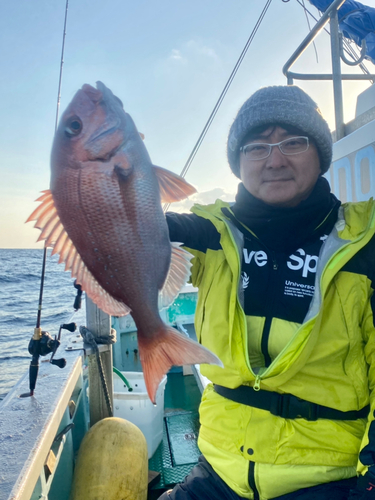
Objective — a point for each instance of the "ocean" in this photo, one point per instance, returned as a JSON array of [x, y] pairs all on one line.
[[20, 273]]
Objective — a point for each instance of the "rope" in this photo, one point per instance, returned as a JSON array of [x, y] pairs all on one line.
[[222, 95], [90, 339]]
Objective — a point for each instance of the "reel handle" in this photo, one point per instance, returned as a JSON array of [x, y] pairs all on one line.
[[61, 363], [71, 327]]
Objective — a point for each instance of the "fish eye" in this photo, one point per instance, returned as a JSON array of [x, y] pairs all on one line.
[[73, 127]]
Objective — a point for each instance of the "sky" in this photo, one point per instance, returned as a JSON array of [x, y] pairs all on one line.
[[168, 61]]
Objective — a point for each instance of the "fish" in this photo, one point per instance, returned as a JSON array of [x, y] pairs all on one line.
[[103, 215]]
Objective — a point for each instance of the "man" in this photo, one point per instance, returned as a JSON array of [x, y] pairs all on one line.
[[286, 277]]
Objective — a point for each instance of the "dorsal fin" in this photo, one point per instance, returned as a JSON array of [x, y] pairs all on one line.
[[178, 274], [49, 226], [46, 194], [70, 257], [55, 236], [64, 252], [60, 242], [54, 232], [75, 264], [172, 186]]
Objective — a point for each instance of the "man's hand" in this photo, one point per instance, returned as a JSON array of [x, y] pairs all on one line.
[[365, 489]]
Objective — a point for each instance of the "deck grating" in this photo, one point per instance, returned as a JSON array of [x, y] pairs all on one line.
[[178, 452], [175, 457]]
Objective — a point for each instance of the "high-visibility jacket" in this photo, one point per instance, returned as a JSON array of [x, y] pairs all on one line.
[[329, 360]]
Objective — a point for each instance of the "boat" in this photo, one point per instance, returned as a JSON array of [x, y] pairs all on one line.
[[40, 436]]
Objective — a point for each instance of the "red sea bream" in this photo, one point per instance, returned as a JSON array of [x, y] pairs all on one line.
[[103, 216]]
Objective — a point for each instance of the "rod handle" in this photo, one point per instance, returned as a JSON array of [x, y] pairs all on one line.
[[33, 374]]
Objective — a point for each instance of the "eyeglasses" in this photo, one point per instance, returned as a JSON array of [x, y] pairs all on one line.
[[291, 146]]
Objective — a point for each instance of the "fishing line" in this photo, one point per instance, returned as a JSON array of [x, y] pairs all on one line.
[[41, 292], [222, 95], [56, 122], [61, 65]]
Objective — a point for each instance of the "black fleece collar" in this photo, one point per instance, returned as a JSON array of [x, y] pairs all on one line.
[[286, 228]]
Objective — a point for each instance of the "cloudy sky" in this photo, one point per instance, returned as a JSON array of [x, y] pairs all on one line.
[[168, 61]]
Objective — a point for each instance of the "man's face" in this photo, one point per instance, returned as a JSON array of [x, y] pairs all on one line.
[[280, 180]]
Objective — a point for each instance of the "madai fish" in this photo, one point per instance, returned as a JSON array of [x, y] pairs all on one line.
[[103, 216]]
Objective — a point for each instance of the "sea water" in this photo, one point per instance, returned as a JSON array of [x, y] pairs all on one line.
[[20, 276]]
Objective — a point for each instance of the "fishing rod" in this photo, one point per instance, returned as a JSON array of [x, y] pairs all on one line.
[[41, 343]]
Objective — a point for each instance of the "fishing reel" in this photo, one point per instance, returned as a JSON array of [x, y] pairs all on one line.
[[41, 344]]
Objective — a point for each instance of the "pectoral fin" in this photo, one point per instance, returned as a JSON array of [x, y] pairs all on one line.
[[172, 186]]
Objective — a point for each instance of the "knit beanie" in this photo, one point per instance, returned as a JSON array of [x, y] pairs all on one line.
[[280, 105]]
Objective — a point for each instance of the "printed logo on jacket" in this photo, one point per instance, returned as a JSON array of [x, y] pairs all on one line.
[[283, 283]]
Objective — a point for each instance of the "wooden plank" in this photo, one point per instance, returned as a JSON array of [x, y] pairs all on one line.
[[99, 324]]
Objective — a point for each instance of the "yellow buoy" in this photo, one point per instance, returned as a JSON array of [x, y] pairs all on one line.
[[112, 463]]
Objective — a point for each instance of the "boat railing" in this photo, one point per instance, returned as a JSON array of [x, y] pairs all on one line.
[[331, 16]]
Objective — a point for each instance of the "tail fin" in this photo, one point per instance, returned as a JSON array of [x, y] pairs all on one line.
[[165, 349]]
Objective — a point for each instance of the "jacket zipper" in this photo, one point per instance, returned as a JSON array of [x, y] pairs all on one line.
[[252, 480], [268, 321], [264, 341]]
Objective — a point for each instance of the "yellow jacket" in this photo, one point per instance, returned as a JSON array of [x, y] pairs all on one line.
[[330, 360]]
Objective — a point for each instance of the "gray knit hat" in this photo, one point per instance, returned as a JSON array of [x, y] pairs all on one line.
[[283, 105]]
